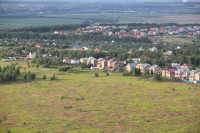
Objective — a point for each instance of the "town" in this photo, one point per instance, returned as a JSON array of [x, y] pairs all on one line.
[[184, 72], [189, 31]]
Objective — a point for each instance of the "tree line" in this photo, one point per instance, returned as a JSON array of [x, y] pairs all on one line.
[[72, 37], [9, 73]]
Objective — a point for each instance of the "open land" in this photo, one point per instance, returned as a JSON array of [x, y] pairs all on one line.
[[59, 19], [80, 102]]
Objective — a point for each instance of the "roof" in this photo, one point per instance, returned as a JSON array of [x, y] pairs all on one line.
[[175, 64], [183, 70], [187, 64], [171, 70], [75, 58], [145, 65], [153, 67], [144, 57], [114, 62], [110, 60], [197, 73], [100, 59], [132, 64], [170, 52], [84, 59]]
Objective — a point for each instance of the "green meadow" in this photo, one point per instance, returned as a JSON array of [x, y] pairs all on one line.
[[59, 19], [80, 102]]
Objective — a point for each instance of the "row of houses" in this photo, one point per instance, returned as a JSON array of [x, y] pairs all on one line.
[[153, 31], [100, 28], [100, 63], [179, 72]]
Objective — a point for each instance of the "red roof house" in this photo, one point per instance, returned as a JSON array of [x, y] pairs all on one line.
[[38, 45], [61, 32], [97, 49], [169, 73]]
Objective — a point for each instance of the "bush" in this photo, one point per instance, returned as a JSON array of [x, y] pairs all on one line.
[[46, 65], [64, 69], [62, 97], [68, 107], [53, 77], [80, 98], [83, 66], [44, 77], [126, 73], [157, 77], [107, 74], [96, 75]]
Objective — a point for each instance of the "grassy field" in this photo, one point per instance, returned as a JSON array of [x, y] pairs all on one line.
[[58, 19], [79, 102], [176, 39]]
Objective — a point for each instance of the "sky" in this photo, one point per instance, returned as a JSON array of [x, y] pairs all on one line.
[[104, 1], [112, 0]]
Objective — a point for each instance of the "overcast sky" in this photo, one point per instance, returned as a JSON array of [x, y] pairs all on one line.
[[111, 0], [105, 1]]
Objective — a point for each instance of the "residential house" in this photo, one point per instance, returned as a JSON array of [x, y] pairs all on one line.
[[81, 49], [103, 63], [108, 58], [83, 60], [130, 51], [97, 49], [109, 63], [197, 77], [168, 53], [38, 45], [89, 60], [85, 48], [61, 32], [75, 61], [114, 65], [67, 60], [192, 76], [176, 65], [130, 66], [155, 69], [154, 49], [143, 57], [31, 55], [143, 67], [56, 32], [135, 60], [169, 73], [186, 66], [99, 65], [94, 62], [141, 49], [182, 74]]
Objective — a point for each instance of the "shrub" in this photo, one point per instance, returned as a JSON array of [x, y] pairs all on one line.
[[126, 73], [107, 74], [53, 77], [64, 69], [44, 77], [67, 107], [96, 75], [157, 77], [62, 97], [80, 98]]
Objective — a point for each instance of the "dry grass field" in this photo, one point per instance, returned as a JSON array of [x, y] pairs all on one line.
[[176, 39], [79, 102]]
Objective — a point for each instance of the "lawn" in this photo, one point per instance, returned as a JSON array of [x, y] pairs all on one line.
[[80, 102]]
